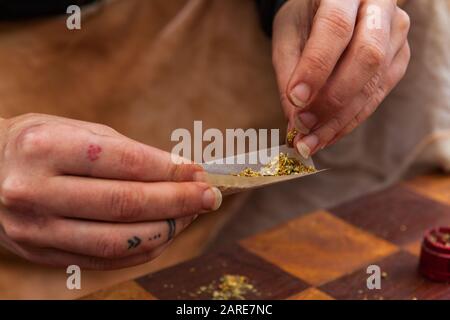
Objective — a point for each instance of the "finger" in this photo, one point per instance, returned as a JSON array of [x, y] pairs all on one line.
[[359, 70], [120, 201], [98, 239], [398, 59], [331, 33], [99, 129], [352, 74], [394, 74], [364, 58], [300, 127], [305, 121], [60, 258], [84, 153], [399, 34]]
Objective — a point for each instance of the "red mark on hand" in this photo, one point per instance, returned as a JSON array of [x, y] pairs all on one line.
[[93, 152]]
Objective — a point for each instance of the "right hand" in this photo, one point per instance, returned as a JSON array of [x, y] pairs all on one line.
[[334, 66], [73, 192]]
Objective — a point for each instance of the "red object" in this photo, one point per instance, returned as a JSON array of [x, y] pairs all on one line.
[[435, 256]]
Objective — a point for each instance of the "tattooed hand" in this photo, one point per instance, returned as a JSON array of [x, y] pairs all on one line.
[[335, 62], [73, 192]]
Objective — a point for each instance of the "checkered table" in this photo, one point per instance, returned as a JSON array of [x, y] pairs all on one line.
[[322, 255]]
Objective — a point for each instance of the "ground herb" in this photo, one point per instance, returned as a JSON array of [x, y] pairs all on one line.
[[230, 287], [281, 165]]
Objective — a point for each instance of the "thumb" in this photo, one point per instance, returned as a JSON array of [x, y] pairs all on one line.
[[289, 36]]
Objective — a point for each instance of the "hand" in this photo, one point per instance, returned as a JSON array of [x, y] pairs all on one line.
[[334, 67], [73, 192]]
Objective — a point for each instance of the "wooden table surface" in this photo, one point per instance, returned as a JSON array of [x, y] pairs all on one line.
[[321, 255]]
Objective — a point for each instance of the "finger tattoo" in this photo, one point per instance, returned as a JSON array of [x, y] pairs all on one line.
[[154, 237], [93, 152], [172, 228], [134, 242]]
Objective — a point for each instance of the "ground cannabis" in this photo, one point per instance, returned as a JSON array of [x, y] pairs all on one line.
[[230, 287], [290, 137], [281, 165]]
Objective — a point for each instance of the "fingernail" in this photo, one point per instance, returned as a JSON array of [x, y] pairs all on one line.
[[212, 199], [305, 121], [306, 145], [300, 95], [200, 176]]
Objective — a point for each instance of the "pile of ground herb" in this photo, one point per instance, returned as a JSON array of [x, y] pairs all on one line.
[[230, 287], [281, 165], [290, 137]]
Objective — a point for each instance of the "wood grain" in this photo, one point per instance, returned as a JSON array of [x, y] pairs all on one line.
[[311, 294], [435, 186], [323, 255], [402, 282], [396, 214], [128, 290], [318, 247]]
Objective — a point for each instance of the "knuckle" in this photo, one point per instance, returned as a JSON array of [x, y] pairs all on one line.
[[371, 56], [338, 23], [372, 87], [126, 204], [318, 61], [34, 140], [107, 129], [334, 101], [14, 192], [108, 247], [132, 160], [408, 53], [404, 20]]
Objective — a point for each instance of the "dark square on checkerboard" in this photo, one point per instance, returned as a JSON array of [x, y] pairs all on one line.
[[401, 281], [396, 214]]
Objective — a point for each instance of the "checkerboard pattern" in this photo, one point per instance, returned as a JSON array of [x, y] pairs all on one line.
[[322, 255]]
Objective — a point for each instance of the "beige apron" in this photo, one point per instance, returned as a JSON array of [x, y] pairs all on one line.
[[148, 67]]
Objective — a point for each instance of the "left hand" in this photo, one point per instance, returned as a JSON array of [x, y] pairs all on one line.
[[334, 66]]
